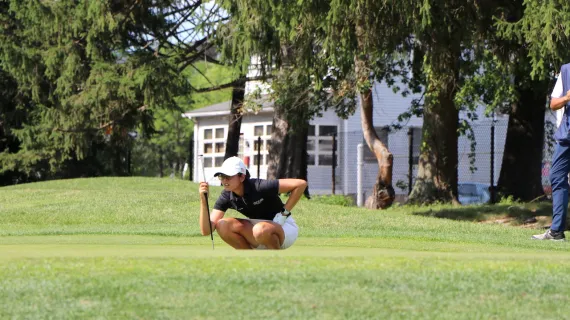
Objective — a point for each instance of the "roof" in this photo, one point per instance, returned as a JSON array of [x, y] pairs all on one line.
[[223, 108]]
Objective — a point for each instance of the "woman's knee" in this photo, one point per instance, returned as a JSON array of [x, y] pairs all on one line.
[[227, 225], [259, 230], [262, 231]]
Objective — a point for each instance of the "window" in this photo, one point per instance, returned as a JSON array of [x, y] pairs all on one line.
[[258, 146], [207, 162], [327, 130], [320, 145], [214, 147], [382, 133], [220, 133], [262, 131], [241, 144], [416, 144], [258, 131], [208, 148]]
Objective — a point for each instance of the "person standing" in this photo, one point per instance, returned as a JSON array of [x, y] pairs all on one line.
[[560, 165]]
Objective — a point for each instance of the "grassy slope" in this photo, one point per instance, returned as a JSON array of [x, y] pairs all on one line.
[[130, 248]]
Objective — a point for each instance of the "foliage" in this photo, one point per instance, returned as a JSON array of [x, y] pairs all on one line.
[[542, 27], [309, 40], [171, 141], [95, 72]]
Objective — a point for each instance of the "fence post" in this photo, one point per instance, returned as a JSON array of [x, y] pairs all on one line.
[[333, 162], [410, 158], [258, 157], [191, 159], [359, 163], [492, 184]]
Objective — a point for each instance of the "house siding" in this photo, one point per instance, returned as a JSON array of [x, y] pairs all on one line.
[[387, 107]]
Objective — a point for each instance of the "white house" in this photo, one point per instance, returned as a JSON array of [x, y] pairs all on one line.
[[211, 126]]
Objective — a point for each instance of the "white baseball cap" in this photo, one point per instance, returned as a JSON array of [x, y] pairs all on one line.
[[231, 167]]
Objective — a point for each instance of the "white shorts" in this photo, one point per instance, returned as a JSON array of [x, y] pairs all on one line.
[[291, 232]]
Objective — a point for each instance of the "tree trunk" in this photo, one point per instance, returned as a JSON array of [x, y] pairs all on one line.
[[383, 194], [520, 175], [437, 172], [276, 155], [287, 156], [234, 126]]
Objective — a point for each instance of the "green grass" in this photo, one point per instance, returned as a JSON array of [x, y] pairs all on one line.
[[130, 248]]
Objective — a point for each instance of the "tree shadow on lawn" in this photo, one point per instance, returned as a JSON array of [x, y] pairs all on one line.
[[530, 215]]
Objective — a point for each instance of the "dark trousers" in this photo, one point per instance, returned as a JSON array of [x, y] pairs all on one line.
[[559, 180]]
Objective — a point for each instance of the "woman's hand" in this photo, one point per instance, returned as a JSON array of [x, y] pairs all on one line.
[[204, 188]]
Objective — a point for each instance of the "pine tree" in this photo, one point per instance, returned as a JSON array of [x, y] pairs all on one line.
[[95, 71], [537, 34]]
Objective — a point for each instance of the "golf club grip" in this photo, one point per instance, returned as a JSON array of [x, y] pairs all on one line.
[[208, 210]]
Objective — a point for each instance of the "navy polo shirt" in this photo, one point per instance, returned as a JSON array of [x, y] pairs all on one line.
[[260, 199]]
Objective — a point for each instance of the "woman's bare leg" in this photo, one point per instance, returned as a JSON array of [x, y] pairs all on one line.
[[269, 234], [237, 233]]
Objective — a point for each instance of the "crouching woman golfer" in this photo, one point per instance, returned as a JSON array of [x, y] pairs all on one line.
[[269, 224]]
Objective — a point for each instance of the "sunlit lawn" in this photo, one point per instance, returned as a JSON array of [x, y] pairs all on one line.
[[129, 248]]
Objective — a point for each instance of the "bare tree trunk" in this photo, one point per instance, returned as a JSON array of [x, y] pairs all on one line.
[[234, 126], [383, 194], [437, 172], [520, 175]]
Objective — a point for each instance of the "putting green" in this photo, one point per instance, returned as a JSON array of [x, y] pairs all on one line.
[[117, 246]]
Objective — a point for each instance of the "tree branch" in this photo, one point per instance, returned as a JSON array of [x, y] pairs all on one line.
[[230, 84]]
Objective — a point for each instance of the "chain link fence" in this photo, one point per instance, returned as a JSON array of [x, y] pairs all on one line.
[[480, 156]]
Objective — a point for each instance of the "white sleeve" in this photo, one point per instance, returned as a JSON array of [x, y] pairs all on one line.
[[557, 92], [559, 113]]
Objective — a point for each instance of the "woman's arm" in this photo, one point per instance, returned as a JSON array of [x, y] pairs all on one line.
[[296, 187], [215, 215]]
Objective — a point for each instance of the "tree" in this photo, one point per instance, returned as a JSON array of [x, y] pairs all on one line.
[[331, 42], [97, 70], [536, 32], [11, 117], [90, 74], [443, 31], [521, 169], [234, 125], [171, 141], [288, 156]]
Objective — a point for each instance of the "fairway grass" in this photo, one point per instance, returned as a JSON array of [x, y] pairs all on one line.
[[129, 248]]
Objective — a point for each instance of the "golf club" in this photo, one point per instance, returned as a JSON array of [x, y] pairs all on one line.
[[201, 157]]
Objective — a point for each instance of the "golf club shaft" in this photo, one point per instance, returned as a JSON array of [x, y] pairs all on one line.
[[209, 221], [207, 206]]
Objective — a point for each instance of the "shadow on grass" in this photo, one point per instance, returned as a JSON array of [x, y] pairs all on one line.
[[536, 214]]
